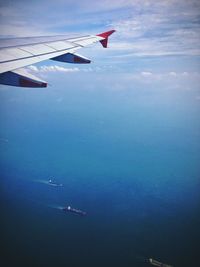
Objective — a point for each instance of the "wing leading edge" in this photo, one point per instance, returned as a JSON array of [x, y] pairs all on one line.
[[13, 57]]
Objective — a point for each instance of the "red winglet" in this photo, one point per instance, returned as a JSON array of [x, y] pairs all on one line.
[[105, 35]]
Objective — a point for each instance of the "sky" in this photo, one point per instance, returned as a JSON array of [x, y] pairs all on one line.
[[156, 42]]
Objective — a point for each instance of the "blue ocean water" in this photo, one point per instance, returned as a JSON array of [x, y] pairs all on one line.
[[129, 158]]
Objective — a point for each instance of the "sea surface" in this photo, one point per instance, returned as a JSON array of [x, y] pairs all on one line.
[[129, 158]]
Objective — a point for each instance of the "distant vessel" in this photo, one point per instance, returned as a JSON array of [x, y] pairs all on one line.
[[54, 183], [76, 211], [158, 263]]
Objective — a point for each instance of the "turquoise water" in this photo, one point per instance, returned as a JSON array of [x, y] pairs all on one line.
[[129, 158]]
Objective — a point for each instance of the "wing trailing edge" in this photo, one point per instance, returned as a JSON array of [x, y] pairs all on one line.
[[72, 58], [21, 78]]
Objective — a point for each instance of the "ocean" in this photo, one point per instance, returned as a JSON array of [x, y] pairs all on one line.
[[129, 158]]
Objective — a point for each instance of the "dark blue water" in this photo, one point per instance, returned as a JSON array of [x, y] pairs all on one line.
[[129, 158]]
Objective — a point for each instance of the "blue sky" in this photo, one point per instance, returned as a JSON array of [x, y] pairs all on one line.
[[157, 43]]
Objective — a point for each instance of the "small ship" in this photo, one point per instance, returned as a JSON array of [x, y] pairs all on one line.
[[51, 182], [73, 210], [158, 263]]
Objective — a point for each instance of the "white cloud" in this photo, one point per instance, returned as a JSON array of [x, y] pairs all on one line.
[[172, 73], [52, 68], [165, 77], [160, 28], [33, 68], [146, 73]]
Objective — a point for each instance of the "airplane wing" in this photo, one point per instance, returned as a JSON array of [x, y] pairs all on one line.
[[17, 53]]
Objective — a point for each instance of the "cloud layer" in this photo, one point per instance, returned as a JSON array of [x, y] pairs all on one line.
[[51, 68]]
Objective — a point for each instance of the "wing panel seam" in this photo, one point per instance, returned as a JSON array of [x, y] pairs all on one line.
[[44, 42], [35, 56]]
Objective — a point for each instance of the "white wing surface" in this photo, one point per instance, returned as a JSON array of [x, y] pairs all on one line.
[[17, 53]]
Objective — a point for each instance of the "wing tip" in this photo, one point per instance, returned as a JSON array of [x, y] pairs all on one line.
[[105, 35]]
